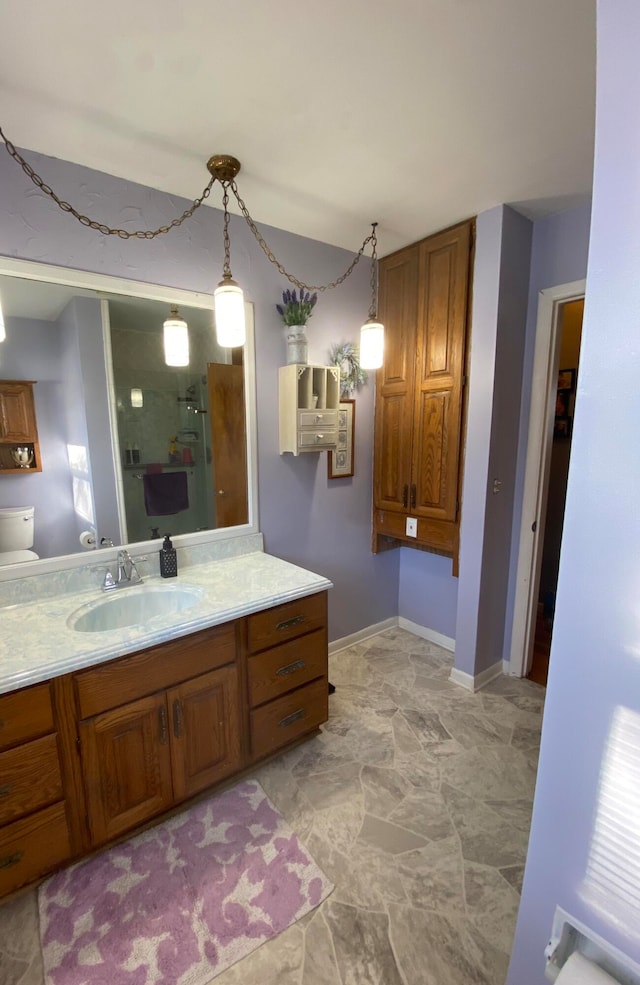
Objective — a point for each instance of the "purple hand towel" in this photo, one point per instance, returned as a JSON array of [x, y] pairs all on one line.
[[165, 493]]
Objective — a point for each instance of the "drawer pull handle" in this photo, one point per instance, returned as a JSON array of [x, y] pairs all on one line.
[[285, 671], [9, 860], [6, 789], [177, 719], [164, 734], [288, 623], [405, 495], [294, 717], [413, 496]]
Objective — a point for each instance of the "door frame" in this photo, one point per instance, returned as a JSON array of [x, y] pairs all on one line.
[[536, 482]]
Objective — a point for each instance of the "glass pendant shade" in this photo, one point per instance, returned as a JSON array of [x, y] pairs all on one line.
[[137, 399], [176, 340], [228, 305], [371, 344]]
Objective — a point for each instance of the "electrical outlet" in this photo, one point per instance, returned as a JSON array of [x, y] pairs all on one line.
[[412, 527]]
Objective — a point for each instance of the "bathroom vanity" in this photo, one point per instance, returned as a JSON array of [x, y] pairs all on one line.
[[102, 732]]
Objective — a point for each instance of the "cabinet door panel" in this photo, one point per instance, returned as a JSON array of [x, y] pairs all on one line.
[[29, 778], [33, 846], [25, 714], [395, 380], [444, 262], [127, 766], [205, 731], [17, 416]]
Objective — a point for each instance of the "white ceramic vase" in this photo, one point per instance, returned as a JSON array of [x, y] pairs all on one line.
[[296, 337]]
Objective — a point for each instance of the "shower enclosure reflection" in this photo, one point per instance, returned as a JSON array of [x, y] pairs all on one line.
[[131, 448]]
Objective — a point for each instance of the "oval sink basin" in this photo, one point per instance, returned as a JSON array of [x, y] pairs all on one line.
[[133, 607]]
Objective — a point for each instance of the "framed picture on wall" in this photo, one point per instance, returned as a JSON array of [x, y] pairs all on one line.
[[340, 461], [567, 379], [562, 427]]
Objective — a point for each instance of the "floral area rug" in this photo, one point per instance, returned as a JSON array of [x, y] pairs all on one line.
[[180, 903]]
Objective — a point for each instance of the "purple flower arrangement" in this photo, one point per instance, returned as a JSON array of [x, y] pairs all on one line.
[[296, 310]]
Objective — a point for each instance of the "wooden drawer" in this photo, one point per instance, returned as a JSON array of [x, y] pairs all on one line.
[[29, 778], [287, 718], [318, 419], [286, 667], [285, 622], [32, 847], [325, 438], [132, 677], [25, 714]]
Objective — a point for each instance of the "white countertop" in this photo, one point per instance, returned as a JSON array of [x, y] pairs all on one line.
[[36, 642]]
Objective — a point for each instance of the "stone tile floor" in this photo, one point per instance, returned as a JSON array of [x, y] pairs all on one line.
[[416, 802]]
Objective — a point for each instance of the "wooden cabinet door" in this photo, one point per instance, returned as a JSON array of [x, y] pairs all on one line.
[[443, 280], [395, 380], [127, 766], [205, 731], [17, 414]]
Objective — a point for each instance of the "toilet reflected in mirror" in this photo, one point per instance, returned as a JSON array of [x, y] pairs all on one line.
[[16, 534]]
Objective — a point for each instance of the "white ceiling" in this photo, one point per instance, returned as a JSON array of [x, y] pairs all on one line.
[[414, 113]]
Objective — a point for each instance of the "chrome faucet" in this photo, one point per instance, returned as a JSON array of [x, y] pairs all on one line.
[[128, 574]]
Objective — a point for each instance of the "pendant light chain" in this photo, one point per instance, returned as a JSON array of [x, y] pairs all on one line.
[[226, 269], [92, 223], [152, 233], [373, 307], [273, 259]]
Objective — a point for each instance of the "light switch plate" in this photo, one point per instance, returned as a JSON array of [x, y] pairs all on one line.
[[412, 527]]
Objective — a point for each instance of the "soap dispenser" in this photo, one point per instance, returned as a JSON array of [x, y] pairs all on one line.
[[168, 558]]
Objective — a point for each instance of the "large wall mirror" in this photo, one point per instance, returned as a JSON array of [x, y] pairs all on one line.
[[131, 448]]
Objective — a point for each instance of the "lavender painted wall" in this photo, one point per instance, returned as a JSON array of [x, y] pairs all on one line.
[[503, 453], [322, 524], [559, 253], [486, 285], [584, 850], [33, 350], [428, 595]]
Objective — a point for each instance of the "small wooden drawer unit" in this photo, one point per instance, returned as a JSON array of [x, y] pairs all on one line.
[[287, 672], [34, 836]]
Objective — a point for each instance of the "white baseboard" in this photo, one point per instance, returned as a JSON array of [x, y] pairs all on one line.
[[446, 642], [471, 683], [363, 634]]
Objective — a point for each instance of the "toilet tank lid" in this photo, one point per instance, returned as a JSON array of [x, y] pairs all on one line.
[[17, 510]]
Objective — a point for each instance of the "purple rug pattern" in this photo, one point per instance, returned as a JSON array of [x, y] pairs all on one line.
[[180, 903]]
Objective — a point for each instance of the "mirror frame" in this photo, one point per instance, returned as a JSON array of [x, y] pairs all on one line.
[[105, 286]]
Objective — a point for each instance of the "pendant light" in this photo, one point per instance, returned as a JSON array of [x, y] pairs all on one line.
[[372, 332], [228, 299], [176, 339]]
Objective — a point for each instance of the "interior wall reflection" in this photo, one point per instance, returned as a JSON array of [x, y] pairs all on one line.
[[130, 448]]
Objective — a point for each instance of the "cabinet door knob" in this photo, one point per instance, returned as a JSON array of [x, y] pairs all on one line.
[[177, 719], [9, 860], [164, 732], [290, 668], [290, 719], [288, 623]]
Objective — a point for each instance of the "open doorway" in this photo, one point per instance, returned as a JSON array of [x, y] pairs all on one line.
[[570, 328], [555, 376]]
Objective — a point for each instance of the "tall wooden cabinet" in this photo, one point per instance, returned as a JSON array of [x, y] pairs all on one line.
[[424, 292], [18, 428]]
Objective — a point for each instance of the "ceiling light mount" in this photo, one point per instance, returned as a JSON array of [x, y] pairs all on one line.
[[223, 167]]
